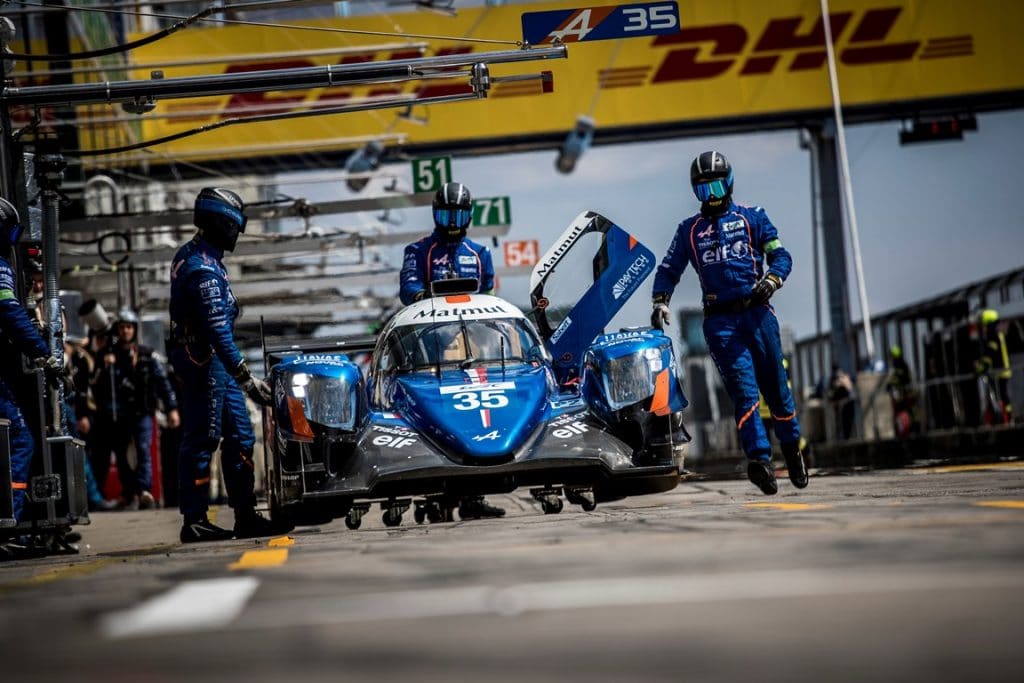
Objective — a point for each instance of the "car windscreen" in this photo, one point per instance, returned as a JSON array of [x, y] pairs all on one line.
[[473, 341]]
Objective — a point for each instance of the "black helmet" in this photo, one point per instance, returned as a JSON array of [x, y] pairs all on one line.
[[10, 224], [219, 214], [453, 211], [711, 179]]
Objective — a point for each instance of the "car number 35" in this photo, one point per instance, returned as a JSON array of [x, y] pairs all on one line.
[[473, 400]]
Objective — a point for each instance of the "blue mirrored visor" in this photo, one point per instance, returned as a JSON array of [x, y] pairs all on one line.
[[711, 189], [225, 210], [453, 218]]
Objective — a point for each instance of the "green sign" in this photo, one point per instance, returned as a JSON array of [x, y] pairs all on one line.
[[492, 211], [428, 175]]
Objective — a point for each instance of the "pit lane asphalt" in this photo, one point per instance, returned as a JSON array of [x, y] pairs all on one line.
[[905, 575]]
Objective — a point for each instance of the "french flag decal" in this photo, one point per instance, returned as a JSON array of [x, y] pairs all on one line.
[[477, 375], [485, 417]]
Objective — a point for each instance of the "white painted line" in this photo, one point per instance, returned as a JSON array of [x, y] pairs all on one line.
[[190, 606], [613, 592]]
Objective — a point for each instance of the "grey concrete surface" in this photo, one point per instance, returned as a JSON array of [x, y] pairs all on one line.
[[905, 575]]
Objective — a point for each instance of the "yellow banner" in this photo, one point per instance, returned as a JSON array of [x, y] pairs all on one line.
[[731, 59]]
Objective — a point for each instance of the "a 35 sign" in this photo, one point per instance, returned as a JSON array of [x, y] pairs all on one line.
[[600, 23]]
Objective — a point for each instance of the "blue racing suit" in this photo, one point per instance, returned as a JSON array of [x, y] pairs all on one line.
[[433, 258], [729, 252], [203, 352], [18, 328]]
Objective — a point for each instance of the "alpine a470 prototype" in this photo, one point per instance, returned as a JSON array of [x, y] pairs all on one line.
[[466, 396]]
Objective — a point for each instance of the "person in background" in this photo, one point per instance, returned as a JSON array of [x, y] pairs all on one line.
[[19, 336], [901, 392], [129, 384], [841, 396], [993, 369], [741, 263], [448, 253], [214, 374]]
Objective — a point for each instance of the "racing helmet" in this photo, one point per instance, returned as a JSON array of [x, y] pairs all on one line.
[[219, 215], [128, 316], [10, 224], [453, 211], [989, 316], [711, 178]]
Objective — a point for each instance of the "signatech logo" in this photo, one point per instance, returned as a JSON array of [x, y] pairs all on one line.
[[795, 43], [635, 270]]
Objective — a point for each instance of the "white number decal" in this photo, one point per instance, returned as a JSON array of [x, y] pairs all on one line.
[[469, 400], [661, 17]]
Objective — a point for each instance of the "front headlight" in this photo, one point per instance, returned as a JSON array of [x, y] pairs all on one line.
[[328, 401], [630, 379]]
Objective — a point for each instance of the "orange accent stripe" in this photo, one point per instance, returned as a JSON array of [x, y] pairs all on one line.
[[204, 480], [659, 404], [693, 246], [784, 419], [739, 425], [632, 242], [457, 299], [19, 486], [750, 240], [298, 416]]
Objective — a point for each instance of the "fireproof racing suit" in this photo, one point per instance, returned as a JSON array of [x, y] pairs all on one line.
[[728, 252], [17, 328], [432, 258], [203, 352]]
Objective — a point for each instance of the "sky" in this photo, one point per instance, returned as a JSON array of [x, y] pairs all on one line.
[[931, 216]]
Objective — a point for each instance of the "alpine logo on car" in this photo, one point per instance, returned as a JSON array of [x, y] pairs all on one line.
[[489, 436], [622, 285]]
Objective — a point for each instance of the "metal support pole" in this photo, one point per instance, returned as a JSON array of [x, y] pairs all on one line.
[[49, 174], [823, 138]]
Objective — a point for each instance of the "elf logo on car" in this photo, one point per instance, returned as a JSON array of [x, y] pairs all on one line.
[[635, 268], [570, 430], [561, 330], [392, 441]]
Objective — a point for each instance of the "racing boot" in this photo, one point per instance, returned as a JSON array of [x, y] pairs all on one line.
[[251, 524], [760, 472], [795, 464], [477, 508], [202, 529]]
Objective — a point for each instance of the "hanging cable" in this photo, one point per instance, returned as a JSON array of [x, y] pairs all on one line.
[[204, 15]]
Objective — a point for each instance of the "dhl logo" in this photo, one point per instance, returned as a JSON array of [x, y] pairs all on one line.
[[860, 40]]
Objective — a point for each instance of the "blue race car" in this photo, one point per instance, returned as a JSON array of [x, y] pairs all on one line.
[[465, 396]]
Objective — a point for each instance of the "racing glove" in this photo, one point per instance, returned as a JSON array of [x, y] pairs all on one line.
[[255, 388], [660, 315], [764, 288]]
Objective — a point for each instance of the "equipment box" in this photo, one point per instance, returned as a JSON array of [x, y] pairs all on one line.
[[6, 494], [57, 494]]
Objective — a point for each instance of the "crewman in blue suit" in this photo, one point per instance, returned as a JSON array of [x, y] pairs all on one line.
[[214, 375], [729, 246], [448, 253], [20, 336]]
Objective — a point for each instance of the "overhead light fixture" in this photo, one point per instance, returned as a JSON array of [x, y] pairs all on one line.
[[576, 143], [362, 162]]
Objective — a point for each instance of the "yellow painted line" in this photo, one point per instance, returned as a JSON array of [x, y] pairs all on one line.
[[1012, 504], [789, 507], [58, 573], [980, 467], [281, 542], [258, 559]]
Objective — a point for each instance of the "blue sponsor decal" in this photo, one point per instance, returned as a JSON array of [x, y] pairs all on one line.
[[600, 23]]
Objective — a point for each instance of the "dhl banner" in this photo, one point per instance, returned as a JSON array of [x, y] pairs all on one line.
[[729, 59]]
